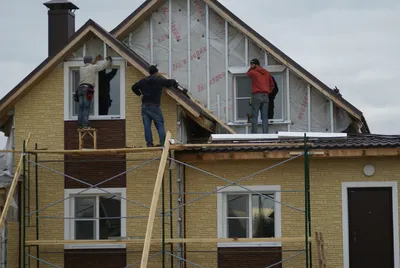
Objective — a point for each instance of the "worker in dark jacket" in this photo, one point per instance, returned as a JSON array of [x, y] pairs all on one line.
[[262, 85], [104, 90], [151, 89]]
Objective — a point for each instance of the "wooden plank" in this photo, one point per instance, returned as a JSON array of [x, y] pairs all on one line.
[[182, 103], [99, 151], [154, 202], [263, 45], [218, 120], [168, 241], [285, 154], [13, 186]]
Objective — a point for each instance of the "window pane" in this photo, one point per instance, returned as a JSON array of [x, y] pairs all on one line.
[[75, 83], [109, 92], [85, 207], [110, 206], [278, 108], [243, 108], [85, 229], [238, 228], [263, 216], [238, 205], [243, 85]]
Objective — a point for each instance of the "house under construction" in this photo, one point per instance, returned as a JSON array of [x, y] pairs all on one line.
[[306, 194]]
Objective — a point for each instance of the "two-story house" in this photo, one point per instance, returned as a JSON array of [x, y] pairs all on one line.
[[240, 200]]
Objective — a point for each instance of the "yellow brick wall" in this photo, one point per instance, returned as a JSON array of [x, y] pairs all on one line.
[[326, 207], [41, 112]]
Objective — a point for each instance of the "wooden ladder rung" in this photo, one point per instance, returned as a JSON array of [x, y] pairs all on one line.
[[82, 133]]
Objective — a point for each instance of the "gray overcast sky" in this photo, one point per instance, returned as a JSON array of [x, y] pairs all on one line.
[[351, 44]]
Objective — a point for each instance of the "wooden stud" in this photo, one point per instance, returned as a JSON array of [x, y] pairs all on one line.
[[320, 249], [82, 133], [154, 201], [13, 186], [169, 241]]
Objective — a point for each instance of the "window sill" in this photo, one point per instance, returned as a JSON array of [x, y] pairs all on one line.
[[97, 118], [271, 122], [249, 244], [93, 246]]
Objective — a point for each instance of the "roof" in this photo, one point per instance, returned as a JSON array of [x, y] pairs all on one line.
[[127, 24], [198, 112], [352, 141]]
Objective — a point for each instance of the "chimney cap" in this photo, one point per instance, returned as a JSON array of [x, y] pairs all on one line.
[[60, 4]]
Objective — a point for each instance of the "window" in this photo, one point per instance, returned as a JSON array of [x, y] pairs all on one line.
[[245, 214], [242, 90], [109, 97], [94, 215]]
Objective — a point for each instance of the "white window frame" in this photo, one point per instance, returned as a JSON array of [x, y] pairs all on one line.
[[273, 69], [69, 211], [221, 213], [69, 102], [345, 216]]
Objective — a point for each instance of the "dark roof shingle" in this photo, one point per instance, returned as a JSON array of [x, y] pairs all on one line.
[[353, 141]]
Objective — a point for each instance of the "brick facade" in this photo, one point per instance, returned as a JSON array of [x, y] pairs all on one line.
[[111, 134], [255, 257], [95, 258]]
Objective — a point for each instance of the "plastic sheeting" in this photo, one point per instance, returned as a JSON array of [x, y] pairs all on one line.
[[207, 82]]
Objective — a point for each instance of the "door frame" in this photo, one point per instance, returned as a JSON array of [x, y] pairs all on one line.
[[345, 216]]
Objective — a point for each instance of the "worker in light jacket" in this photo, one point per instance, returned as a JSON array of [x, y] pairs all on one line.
[[87, 82], [262, 85]]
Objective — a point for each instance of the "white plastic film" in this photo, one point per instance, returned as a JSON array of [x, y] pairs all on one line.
[[179, 31], [198, 51], [231, 112], [255, 52], [272, 60], [94, 47], [139, 40], [298, 103], [217, 64], [341, 119], [236, 43], [160, 21], [320, 112]]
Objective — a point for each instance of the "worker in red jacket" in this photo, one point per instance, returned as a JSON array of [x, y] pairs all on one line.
[[261, 86]]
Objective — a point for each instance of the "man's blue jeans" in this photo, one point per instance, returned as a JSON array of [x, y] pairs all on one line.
[[259, 102], [84, 107], [153, 113]]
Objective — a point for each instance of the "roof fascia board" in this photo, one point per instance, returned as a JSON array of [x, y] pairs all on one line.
[[270, 50], [136, 17]]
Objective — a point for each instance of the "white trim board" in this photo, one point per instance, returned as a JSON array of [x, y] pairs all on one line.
[[345, 215], [221, 212], [269, 68], [69, 212], [68, 102]]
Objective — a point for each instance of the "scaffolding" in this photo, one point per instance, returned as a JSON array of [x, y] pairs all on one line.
[[30, 158]]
